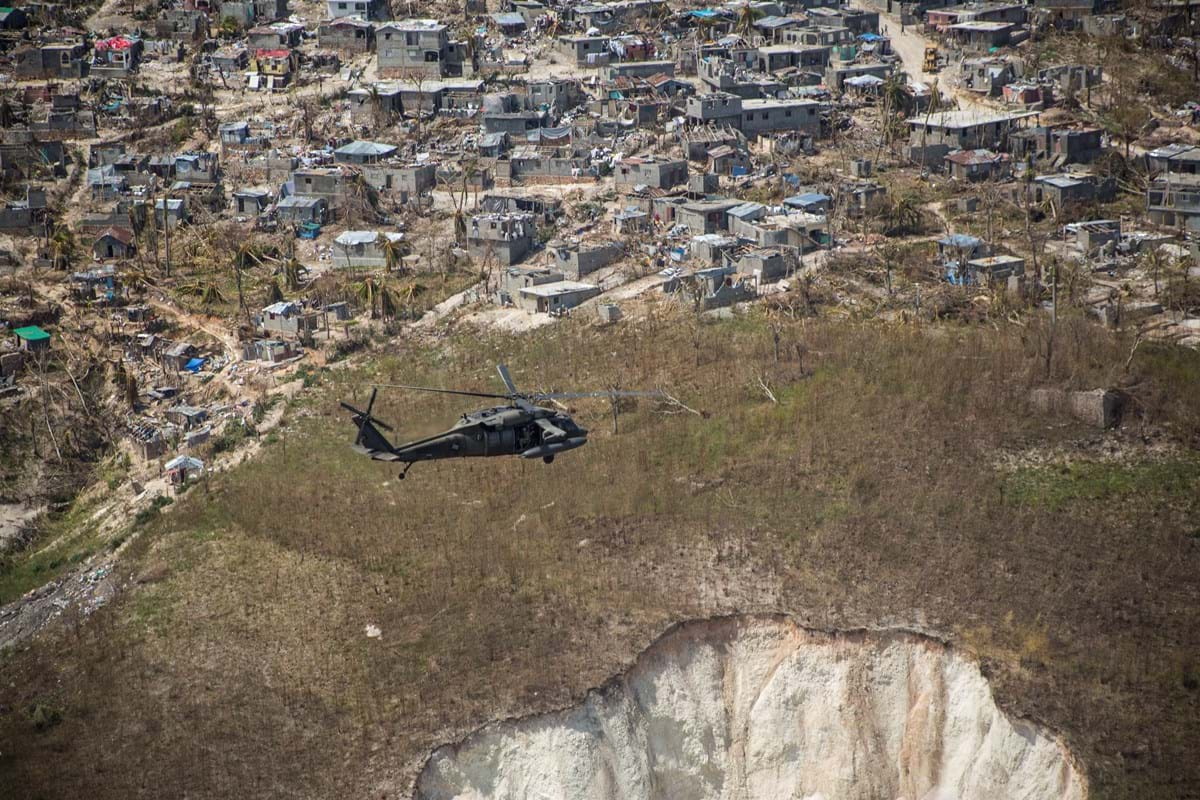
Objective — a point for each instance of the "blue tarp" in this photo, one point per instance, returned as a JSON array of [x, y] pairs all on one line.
[[806, 199], [870, 37], [194, 365], [703, 13]]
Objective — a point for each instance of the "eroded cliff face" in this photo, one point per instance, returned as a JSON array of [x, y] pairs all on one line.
[[758, 708]]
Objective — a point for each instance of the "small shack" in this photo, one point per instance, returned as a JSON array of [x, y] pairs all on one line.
[[32, 339]]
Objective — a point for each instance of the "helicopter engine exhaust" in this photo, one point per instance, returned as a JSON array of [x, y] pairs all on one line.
[[541, 451]]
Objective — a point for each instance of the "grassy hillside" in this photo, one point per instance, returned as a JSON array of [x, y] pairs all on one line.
[[849, 475]]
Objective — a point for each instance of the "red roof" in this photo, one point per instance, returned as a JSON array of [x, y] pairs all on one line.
[[115, 43], [122, 235], [272, 53]]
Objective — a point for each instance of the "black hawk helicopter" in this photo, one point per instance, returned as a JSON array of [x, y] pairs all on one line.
[[520, 428]]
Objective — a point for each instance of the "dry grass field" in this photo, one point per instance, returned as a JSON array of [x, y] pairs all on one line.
[[850, 475]]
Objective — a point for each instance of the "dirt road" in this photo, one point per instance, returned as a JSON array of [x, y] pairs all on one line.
[[910, 45]]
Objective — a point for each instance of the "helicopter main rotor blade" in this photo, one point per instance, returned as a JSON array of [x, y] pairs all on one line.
[[582, 395], [507, 378], [440, 391]]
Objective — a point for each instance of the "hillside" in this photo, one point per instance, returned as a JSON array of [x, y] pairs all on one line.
[[849, 475]]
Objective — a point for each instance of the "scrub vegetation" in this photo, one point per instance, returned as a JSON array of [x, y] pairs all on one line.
[[846, 474]]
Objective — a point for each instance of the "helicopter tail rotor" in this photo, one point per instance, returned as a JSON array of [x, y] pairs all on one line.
[[369, 436]]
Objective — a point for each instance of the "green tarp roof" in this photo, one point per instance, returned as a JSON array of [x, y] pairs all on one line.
[[31, 333]]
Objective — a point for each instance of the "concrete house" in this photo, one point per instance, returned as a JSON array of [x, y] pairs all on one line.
[[780, 57], [248, 12], [578, 259], [717, 108], [978, 165], [327, 183], [933, 136], [418, 47], [543, 208], [286, 319], [649, 171], [406, 182], [175, 358], [1066, 189], [554, 94], [836, 74], [114, 243], [363, 152], [298, 209], [229, 61], [1173, 200], [727, 160], [809, 202], [705, 216], [991, 270], [1060, 145], [981, 36], [769, 116], [640, 69], [366, 249], [272, 69], [234, 133], [987, 76], [276, 36], [766, 264], [172, 209], [197, 168], [349, 35], [382, 99], [584, 51], [251, 202], [555, 298], [117, 57], [1176, 159], [64, 60], [363, 9], [506, 237], [514, 279], [181, 25]]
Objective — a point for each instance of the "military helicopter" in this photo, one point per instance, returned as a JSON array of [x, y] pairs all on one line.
[[521, 428]]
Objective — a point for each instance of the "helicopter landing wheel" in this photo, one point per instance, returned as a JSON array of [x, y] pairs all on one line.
[[547, 459]]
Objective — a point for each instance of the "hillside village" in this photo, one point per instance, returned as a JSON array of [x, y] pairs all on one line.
[[211, 206], [215, 194]]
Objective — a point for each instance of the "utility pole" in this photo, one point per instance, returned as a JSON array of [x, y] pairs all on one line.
[[166, 234]]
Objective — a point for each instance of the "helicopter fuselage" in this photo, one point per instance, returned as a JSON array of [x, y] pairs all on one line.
[[529, 432]]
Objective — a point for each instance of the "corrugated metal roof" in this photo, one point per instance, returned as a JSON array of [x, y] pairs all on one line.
[[365, 148], [350, 238], [557, 288]]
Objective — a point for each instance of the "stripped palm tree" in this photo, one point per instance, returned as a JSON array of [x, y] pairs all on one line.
[[206, 290], [367, 290], [62, 248], [393, 251], [293, 272], [746, 18], [409, 297], [274, 293]]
